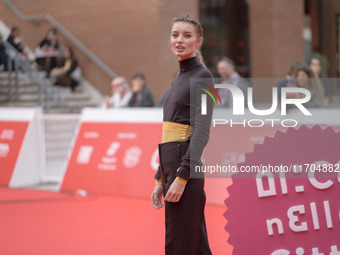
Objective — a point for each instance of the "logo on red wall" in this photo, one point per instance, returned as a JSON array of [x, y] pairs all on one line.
[[12, 134], [116, 158]]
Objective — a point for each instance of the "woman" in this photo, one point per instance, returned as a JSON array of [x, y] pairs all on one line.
[[48, 50], [184, 136], [3, 56], [142, 95], [15, 41], [121, 94], [63, 73], [304, 78]]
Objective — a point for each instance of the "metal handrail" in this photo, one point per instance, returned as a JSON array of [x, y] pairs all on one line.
[[45, 86], [88, 53]]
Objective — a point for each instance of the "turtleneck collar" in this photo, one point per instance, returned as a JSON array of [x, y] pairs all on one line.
[[188, 64]]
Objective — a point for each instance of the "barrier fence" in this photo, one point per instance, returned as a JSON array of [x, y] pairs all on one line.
[[114, 151], [58, 133]]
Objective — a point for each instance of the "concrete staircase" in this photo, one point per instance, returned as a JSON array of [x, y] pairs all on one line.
[[28, 96]]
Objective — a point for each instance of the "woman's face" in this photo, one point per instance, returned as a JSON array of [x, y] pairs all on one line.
[[51, 36], [302, 79], [315, 65], [117, 88], [137, 84], [16, 33], [184, 41]]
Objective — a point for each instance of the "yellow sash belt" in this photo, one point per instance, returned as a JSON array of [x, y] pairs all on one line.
[[173, 131]]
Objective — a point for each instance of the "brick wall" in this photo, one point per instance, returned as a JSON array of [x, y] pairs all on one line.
[[275, 39], [275, 36], [128, 36], [132, 36]]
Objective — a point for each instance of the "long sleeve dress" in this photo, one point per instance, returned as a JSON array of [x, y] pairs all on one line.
[[183, 121]]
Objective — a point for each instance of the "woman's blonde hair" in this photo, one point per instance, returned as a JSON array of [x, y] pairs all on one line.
[[199, 31]]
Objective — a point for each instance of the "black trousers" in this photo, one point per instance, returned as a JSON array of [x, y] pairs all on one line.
[[186, 232]]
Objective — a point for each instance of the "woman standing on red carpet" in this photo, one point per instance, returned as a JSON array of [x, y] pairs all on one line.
[[185, 133]]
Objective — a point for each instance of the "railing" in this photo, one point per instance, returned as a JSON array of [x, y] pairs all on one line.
[[36, 18], [58, 133], [46, 90]]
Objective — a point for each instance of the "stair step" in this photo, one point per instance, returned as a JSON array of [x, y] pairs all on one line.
[[29, 97], [21, 83], [19, 104], [61, 110], [23, 89], [77, 97], [79, 88], [81, 104], [5, 75], [3, 98], [29, 94]]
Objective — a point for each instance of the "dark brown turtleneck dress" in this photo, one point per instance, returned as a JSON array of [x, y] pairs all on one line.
[[185, 222]]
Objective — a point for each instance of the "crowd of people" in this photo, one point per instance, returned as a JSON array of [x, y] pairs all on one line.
[[310, 77], [300, 75], [138, 95], [59, 62]]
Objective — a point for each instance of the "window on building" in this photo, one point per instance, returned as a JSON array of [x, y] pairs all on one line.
[[226, 33]]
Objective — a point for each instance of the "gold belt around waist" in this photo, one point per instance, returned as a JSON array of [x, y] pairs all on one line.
[[173, 131]]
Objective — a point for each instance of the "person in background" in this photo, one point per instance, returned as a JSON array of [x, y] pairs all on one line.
[[48, 50], [121, 94], [3, 56], [315, 65], [226, 70], [290, 77], [304, 78], [317, 52], [142, 95], [63, 72], [15, 41]]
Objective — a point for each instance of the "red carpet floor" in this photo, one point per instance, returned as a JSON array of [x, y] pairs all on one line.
[[36, 222]]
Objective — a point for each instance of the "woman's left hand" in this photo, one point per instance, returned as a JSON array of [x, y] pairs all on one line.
[[175, 192]]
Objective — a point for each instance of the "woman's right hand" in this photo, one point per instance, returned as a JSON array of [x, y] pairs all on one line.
[[156, 197]]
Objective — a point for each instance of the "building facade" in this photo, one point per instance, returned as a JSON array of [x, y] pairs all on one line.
[[263, 37]]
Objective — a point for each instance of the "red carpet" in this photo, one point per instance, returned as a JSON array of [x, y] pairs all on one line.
[[41, 222]]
